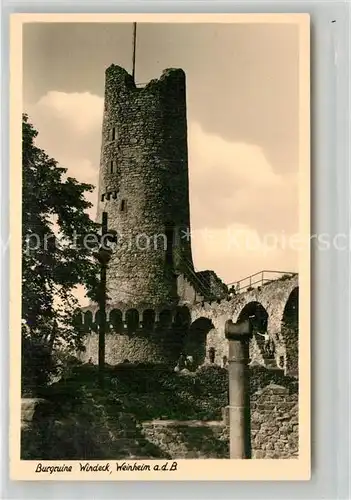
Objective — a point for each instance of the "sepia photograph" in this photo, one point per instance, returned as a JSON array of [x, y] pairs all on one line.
[[164, 208]]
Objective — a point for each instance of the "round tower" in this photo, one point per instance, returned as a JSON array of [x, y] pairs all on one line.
[[143, 186]]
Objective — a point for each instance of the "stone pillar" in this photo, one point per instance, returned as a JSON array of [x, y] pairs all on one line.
[[239, 335]]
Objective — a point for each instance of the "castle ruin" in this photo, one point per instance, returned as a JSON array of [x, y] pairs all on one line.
[[158, 305]]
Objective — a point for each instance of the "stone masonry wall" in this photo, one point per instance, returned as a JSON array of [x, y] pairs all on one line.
[[206, 329], [143, 185], [274, 414], [274, 423], [188, 439], [273, 297], [274, 430], [159, 347]]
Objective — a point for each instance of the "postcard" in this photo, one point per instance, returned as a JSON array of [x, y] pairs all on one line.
[[160, 247]]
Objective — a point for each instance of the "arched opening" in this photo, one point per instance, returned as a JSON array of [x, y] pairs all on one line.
[[78, 319], [180, 327], [78, 326], [98, 317], [132, 320], [258, 316], [97, 321], [281, 362], [212, 355], [165, 318], [182, 318], [290, 333], [116, 320], [88, 319], [195, 343], [148, 319]]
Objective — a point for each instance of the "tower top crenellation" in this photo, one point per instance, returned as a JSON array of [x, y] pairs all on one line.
[[120, 76]]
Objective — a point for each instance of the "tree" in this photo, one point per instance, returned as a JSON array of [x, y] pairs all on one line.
[[57, 254]]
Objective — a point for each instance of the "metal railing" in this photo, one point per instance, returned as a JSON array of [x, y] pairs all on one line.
[[259, 279]]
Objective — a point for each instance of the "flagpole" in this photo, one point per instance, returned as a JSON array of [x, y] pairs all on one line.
[[134, 47]]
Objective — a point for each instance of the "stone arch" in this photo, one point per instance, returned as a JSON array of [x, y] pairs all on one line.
[[258, 316], [274, 297], [98, 317], [88, 319], [132, 320], [165, 318], [78, 319], [97, 321], [116, 320], [196, 340], [182, 318], [290, 332], [149, 316], [180, 327]]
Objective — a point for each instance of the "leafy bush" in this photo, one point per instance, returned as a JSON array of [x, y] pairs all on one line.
[[66, 363], [81, 421]]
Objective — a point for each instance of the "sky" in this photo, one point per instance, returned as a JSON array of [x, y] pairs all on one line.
[[242, 109]]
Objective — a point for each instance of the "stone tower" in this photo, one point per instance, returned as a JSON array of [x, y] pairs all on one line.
[[143, 186]]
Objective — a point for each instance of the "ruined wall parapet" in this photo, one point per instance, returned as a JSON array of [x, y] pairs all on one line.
[[269, 295], [201, 326]]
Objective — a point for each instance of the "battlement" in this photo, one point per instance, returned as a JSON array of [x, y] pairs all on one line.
[[143, 331], [123, 80], [213, 283]]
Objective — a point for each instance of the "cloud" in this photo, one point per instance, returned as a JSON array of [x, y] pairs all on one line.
[[242, 210], [246, 162], [237, 251], [82, 112], [69, 127], [234, 183], [236, 194]]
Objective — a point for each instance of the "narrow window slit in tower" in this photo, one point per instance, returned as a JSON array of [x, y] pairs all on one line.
[[108, 196], [112, 167], [114, 196], [102, 197], [123, 206], [113, 134]]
